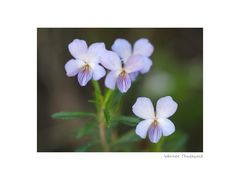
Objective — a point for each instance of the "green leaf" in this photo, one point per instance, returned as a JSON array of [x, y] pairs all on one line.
[[84, 148], [86, 129], [126, 138], [116, 97], [71, 115], [107, 116], [127, 120], [87, 147], [175, 142], [92, 101], [108, 97]]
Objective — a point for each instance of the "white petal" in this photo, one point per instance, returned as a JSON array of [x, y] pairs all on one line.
[[98, 72], [73, 67], [143, 47], [122, 47], [78, 48], [94, 53], [96, 49], [166, 107], [143, 108], [142, 128], [134, 63], [111, 79], [147, 65], [110, 60], [167, 126]]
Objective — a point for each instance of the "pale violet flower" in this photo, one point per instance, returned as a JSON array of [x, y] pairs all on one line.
[[86, 61], [141, 47], [119, 72], [155, 124]]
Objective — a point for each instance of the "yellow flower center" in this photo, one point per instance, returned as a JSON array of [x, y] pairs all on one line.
[[87, 67], [123, 73], [155, 122]]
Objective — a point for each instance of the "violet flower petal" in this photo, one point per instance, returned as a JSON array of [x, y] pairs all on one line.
[[123, 82], [154, 133], [85, 75]]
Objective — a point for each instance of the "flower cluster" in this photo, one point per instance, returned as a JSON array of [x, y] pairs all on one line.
[[124, 64], [142, 48]]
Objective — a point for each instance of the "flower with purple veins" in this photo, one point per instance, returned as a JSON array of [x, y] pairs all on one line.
[[86, 61], [155, 124], [141, 47], [120, 72]]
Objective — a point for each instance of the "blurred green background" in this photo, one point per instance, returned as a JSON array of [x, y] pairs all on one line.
[[177, 71]]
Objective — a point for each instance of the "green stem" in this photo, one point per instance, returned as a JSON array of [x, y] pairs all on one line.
[[159, 145], [100, 105], [102, 130]]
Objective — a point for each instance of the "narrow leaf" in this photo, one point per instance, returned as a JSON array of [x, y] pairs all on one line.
[[71, 115], [175, 142], [108, 97], [85, 130], [107, 116], [84, 148], [116, 97], [126, 138], [92, 101], [127, 120]]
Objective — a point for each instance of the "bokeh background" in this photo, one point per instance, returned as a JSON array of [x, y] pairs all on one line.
[[177, 71]]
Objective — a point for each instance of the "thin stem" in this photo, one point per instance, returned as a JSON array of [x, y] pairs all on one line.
[[100, 105], [102, 130]]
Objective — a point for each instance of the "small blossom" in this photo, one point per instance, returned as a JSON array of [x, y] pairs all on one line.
[[86, 61], [155, 124], [120, 73], [141, 47]]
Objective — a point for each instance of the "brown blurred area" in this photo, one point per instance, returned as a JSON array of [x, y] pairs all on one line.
[[177, 60]]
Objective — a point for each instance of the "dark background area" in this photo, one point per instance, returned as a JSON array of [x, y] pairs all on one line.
[[177, 71]]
